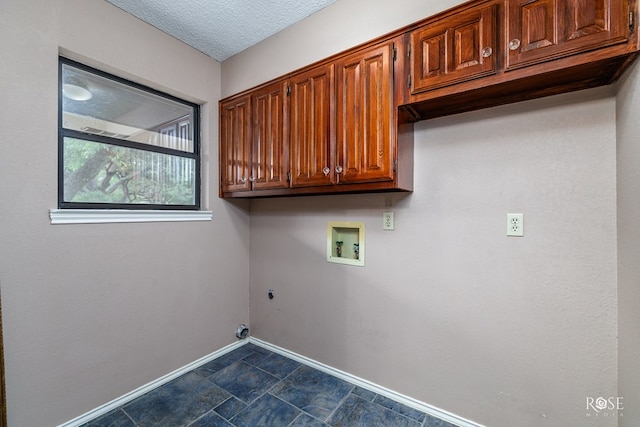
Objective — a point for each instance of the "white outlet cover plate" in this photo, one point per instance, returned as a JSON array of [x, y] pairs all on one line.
[[515, 225], [388, 221]]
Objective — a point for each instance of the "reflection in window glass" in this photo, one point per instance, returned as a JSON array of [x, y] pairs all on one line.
[[117, 110]]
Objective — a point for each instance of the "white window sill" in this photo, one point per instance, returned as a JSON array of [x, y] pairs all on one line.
[[100, 216]]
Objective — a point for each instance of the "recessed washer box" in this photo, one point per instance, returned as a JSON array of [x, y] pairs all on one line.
[[345, 243]]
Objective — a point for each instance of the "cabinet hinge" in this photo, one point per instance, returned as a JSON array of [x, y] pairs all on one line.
[[395, 52], [409, 81], [632, 23], [395, 165], [289, 176], [288, 90], [408, 50]]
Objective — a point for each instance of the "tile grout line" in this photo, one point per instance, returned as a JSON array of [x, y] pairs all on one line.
[[231, 395], [299, 415], [270, 373], [128, 416], [344, 399], [260, 396], [302, 411], [280, 380], [424, 415], [420, 423], [234, 396], [203, 415], [228, 399], [248, 404]]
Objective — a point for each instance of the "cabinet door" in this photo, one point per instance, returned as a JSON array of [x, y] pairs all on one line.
[[364, 114], [312, 128], [540, 30], [270, 133], [235, 144], [460, 47]]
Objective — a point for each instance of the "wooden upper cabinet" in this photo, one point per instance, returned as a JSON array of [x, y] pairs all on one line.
[[235, 144], [345, 124], [269, 159], [541, 30], [457, 48], [364, 116], [312, 127], [329, 128]]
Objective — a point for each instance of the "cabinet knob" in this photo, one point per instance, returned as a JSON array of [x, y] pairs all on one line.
[[253, 178], [487, 52], [243, 180], [326, 171], [514, 44], [339, 169]]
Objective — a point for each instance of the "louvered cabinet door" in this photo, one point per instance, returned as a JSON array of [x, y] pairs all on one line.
[[458, 48], [365, 140], [235, 145], [270, 138], [542, 30], [312, 127]]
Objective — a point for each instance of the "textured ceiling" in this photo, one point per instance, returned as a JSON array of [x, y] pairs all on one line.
[[221, 28]]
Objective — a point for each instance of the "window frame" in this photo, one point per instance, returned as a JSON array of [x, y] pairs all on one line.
[[102, 139]]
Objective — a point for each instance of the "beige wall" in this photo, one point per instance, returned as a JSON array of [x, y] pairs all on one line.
[[503, 331], [91, 312], [629, 245]]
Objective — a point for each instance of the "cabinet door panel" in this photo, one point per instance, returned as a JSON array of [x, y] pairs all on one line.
[[538, 25], [312, 127], [541, 30], [459, 48], [270, 131], [235, 145], [432, 55], [364, 113], [586, 20], [467, 47]]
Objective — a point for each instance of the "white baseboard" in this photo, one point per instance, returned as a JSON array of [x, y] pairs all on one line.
[[405, 400], [398, 397], [108, 407]]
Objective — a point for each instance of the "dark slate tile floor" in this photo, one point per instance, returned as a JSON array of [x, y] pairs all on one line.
[[252, 386]]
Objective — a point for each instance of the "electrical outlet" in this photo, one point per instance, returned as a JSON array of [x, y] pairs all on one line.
[[515, 224], [387, 221]]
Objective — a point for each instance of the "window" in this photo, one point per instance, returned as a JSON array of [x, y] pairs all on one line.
[[123, 145]]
